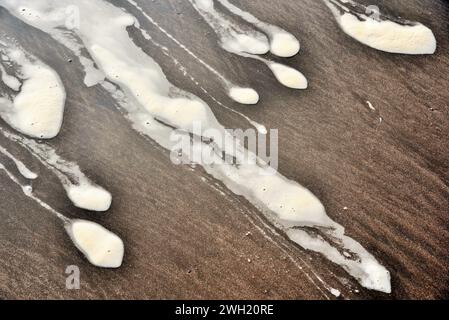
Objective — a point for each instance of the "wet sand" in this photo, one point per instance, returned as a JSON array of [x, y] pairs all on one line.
[[382, 174]]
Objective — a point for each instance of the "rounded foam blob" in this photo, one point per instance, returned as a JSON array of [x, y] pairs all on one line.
[[289, 77], [100, 246], [284, 44], [90, 197], [244, 95]]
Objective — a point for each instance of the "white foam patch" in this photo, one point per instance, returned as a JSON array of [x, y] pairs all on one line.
[[147, 96], [335, 292], [390, 36], [387, 35], [100, 246], [288, 76], [244, 95], [80, 189], [38, 109], [282, 43], [89, 197]]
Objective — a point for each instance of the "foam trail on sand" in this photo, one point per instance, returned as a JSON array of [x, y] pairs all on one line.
[[101, 247], [231, 42], [237, 93], [259, 127], [282, 43], [81, 190]]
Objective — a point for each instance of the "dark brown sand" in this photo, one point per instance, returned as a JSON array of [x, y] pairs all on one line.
[[183, 238]]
